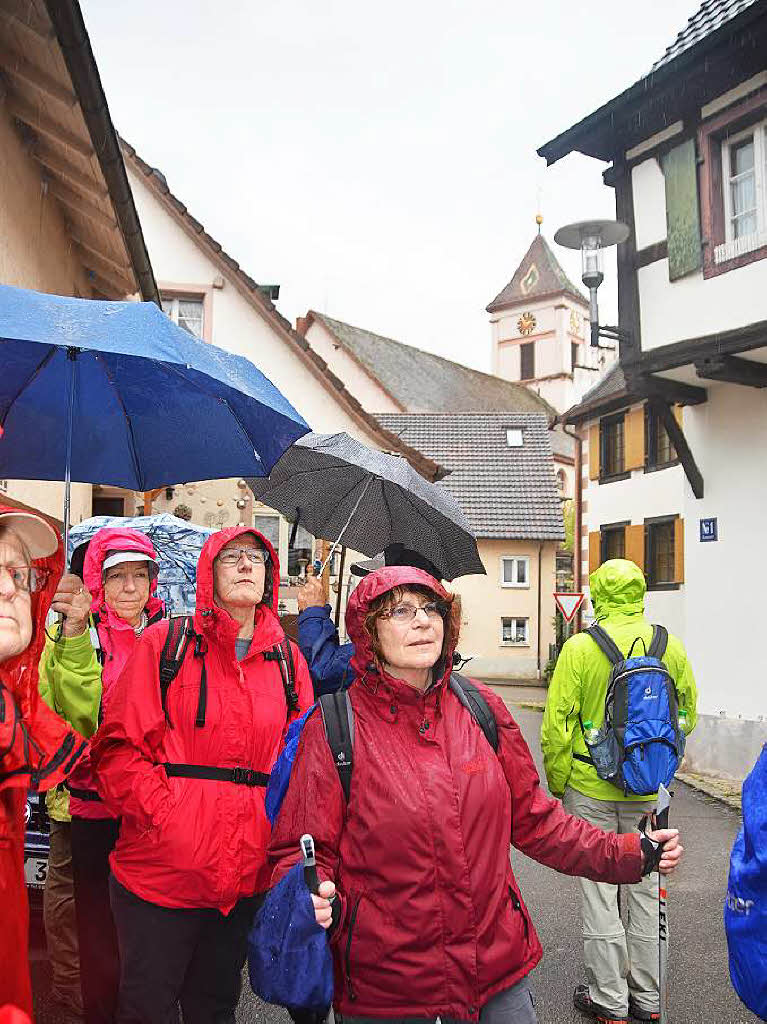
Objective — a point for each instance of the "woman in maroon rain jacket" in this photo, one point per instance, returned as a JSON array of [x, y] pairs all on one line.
[[187, 780], [428, 920]]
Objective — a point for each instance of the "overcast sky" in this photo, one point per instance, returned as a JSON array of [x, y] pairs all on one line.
[[377, 160]]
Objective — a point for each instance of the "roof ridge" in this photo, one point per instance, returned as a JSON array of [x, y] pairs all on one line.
[[513, 385]]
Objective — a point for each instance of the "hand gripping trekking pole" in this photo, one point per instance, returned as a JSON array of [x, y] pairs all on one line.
[[653, 852]]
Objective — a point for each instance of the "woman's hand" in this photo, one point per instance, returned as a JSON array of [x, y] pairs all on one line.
[[323, 912], [73, 601], [672, 849]]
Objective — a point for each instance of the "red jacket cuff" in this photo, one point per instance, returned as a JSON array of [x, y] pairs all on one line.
[[631, 848]]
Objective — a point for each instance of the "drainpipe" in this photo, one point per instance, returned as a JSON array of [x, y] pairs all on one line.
[[540, 558], [578, 528]]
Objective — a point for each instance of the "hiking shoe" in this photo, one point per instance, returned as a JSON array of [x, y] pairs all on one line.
[[582, 1001], [639, 1013]]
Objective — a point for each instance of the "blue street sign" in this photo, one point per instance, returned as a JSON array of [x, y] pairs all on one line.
[[708, 530]]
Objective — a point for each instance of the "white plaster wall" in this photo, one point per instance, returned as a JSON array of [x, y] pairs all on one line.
[[725, 634], [364, 388], [692, 307], [237, 325], [649, 188]]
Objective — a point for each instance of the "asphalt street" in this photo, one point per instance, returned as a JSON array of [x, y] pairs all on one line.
[[699, 985]]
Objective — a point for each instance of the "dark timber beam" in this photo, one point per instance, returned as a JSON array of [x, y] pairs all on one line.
[[676, 436], [733, 370], [674, 391]]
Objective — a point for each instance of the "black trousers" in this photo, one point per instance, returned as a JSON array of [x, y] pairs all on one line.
[[170, 955], [92, 842]]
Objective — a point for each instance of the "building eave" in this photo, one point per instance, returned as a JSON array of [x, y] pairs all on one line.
[[69, 27], [656, 101]]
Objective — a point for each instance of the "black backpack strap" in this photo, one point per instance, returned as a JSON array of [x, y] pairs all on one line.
[[177, 639], [338, 719], [658, 643], [471, 698], [282, 653], [605, 643]]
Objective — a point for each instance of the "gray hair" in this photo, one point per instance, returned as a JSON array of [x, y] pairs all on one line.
[[8, 534]]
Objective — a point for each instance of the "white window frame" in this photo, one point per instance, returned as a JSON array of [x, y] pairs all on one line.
[[515, 619], [3, 486], [515, 584], [732, 246], [514, 437], [174, 298]]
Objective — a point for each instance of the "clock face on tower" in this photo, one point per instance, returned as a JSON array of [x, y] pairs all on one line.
[[526, 323]]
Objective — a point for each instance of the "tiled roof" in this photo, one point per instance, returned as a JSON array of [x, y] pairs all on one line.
[[610, 386], [506, 493], [421, 381], [538, 275], [711, 15]]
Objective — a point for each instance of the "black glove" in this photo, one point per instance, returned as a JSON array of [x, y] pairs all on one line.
[[652, 851]]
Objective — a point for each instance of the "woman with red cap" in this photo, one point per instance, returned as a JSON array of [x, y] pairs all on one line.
[[183, 758], [118, 599], [428, 921], [37, 749]]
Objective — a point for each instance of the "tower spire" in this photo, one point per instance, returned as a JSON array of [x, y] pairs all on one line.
[[539, 221]]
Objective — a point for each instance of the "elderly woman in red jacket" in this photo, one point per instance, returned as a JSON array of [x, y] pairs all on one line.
[[184, 763], [428, 920], [37, 749]]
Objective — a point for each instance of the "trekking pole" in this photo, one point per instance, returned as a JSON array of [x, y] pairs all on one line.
[[661, 821], [310, 864]]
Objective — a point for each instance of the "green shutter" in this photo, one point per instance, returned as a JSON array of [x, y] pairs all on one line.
[[682, 217]]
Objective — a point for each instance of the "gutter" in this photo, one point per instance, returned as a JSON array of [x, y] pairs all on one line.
[[67, 20]]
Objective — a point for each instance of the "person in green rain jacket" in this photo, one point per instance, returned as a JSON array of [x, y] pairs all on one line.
[[621, 966]]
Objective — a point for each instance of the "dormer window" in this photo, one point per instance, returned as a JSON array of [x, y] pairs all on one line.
[[513, 437]]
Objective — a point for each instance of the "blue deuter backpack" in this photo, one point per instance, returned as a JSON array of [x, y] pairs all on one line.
[[640, 743], [745, 910]]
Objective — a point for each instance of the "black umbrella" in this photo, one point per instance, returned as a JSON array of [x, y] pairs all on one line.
[[337, 487]]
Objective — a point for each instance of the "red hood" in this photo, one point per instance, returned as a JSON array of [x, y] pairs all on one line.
[[108, 539], [208, 616], [371, 587], [20, 676]]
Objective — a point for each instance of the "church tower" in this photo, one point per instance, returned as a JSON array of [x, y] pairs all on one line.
[[540, 331]]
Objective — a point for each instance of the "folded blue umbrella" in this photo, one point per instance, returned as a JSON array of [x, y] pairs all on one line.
[[289, 959]]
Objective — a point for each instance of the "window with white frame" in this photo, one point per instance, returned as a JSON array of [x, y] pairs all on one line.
[[513, 437], [515, 632], [4, 486], [186, 311], [515, 571], [744, 178]]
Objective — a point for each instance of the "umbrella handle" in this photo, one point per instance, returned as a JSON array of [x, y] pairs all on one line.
[[343, 530], [71, 358]]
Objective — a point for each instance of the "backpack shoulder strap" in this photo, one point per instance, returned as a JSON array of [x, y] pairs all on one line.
[[179, 635], [282, 653], [338, 719], [471, 698], [658, 643], [605, 643]]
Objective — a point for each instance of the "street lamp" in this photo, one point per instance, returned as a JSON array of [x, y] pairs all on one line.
[[592, 237]]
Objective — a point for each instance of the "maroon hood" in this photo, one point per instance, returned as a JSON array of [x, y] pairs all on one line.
[[371, 587]]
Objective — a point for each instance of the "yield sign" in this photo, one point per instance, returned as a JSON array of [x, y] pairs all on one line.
[[569, 604]]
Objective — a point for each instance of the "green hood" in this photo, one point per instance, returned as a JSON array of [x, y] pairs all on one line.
[[617, 588]]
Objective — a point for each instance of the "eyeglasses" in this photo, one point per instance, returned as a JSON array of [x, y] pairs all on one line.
[[403, 613], [254, 555], [27, 579]]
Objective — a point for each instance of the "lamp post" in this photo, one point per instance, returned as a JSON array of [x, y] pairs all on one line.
[[592, 237]]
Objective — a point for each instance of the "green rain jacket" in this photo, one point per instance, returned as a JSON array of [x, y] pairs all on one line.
[[579, 684], [70, 684]]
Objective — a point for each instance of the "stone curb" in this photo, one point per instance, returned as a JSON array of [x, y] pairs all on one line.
[[726, 791]]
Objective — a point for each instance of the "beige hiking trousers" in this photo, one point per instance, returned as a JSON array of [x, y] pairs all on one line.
[[619, 962]]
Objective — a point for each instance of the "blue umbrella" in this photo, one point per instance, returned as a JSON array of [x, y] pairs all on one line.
[[116, 393]]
